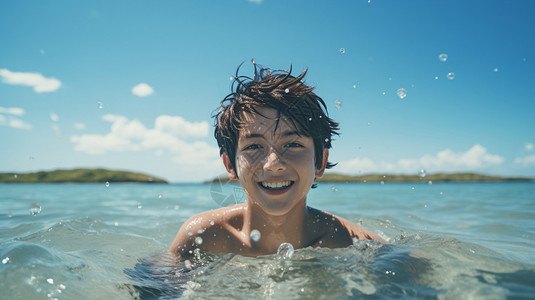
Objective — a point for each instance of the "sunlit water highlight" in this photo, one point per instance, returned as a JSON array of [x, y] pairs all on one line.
[[447, 241]]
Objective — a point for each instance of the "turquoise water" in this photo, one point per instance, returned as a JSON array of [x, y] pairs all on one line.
[[446, 241]]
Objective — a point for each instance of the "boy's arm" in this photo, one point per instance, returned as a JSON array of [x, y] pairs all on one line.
[[360, 233], [184, 241]]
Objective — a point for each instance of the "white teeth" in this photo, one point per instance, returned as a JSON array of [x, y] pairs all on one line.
[[276, 185]]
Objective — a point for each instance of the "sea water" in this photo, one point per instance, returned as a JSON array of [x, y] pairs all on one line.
[[98, 241]]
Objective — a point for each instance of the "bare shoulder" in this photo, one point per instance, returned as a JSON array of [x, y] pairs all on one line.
[[356, 231], [335, 232], [207, 231]]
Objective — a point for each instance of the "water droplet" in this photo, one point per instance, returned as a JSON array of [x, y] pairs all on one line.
[[402, 93], [310, 119], [100, 105], [436, 77], [35, 209], [422, 173], [430, 182], [198, 240], [495, 70], [15, 176], [212, 222], [107, 184], [333, 189], [450, 76], [50, 280], [62, 286], [187, 264], [326, 140], [160, 196], [412, 188], [354, 86], [383, 93], [369, 123], [285, 251], [177, 207], [200, 231], [443, 57], [338, 104], [231, 78], [342, 50], [5, 260], [189, 233], [255, 235], [139, 205], [287, 90]]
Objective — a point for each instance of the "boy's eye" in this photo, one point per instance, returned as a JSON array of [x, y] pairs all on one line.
[[293, 145], [252, 147]]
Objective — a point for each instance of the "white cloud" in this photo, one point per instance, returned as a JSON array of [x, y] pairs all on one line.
[[475, 158], [14, 122], [528, 147], [178, 126], [132, 135], [54, 117], [17, 111], [79, 126], [38, 82], [527, 161], [142, 90]]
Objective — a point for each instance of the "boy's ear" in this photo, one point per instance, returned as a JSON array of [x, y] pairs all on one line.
[[231, 172], [325, 160]]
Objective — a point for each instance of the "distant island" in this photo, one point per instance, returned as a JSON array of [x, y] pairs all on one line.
[[378, 178], [79, 176]]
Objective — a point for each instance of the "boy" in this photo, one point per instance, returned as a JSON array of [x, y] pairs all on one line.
[[274, 137]]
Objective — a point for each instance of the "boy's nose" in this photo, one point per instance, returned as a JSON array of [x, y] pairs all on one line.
[[274, 162]]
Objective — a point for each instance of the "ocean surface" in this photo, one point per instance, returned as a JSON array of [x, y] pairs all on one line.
[[99, 241]]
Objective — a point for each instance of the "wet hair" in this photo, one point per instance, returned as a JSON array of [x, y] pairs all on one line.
[[279, 90]]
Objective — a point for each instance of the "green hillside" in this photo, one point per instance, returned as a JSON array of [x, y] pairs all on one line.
[[79, 176], [439, 177]]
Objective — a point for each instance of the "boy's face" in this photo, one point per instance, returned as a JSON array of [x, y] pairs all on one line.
[[275, 167]]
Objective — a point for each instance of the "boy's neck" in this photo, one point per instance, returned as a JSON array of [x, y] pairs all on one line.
[[275, 230]]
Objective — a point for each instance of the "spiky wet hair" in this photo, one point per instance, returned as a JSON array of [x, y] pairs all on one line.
[[279, 90]]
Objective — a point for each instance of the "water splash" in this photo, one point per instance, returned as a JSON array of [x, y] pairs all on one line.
[[402, 93], [422, 173], [338, 104], [255, 235], [285, 251], [35, 209]]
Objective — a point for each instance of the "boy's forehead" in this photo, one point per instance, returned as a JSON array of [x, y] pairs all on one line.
[[268, 120]]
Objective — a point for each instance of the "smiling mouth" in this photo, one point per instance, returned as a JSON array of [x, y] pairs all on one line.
[[279, 185]]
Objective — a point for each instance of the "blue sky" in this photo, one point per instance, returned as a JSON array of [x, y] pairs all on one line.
[[132, 85]]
